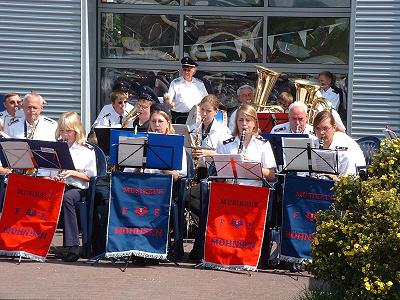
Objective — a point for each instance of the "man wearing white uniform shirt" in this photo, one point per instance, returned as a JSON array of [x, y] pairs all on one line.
[[114, 115], [33, 126], [185, 92], [328, 89], [298, 119], [12, 103], [246, 96]]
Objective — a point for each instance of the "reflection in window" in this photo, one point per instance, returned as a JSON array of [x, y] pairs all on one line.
[[163, 2], [131, 79], [241, 3], [309, 3], [140, 36], [308, 40], [223, 38]]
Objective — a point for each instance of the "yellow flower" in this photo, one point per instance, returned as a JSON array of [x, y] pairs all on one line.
[[389, 283], [367, 286]]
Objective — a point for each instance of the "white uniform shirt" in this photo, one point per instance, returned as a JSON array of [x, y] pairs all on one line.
[[354, 151], [109, 119], [257, 150], [232, 119], [45, 129], [182, 172], [331, 96], [84, 158], [186, 94], [285, 128], [218, 133], [6, 119]]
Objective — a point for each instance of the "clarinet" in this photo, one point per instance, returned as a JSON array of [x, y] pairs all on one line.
[[321, 144], [241, 141]]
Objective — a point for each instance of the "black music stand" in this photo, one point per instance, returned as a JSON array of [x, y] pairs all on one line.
[[299, 155], [16, 153]]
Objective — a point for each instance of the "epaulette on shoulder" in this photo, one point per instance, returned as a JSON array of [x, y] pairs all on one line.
[[87, 145], [260, 138], [49, 120], [228, 140], [107, 115], [13, 121], [280, 129]]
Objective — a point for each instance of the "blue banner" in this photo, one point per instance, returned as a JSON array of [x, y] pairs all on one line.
[[139, 210], [303, 197]]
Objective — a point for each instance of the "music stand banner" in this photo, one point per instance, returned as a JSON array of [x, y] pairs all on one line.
[[139, 213], [235, 226], [303, 197], [30, 216]]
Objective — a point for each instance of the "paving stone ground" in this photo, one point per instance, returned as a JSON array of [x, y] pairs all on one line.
[[55, 279]]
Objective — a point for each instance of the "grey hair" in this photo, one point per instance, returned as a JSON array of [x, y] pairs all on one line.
[[33, 94], [245, 86], [298, 104]]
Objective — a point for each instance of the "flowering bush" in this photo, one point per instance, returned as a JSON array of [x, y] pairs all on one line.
[[357, 244]]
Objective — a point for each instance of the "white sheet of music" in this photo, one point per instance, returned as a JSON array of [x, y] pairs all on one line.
[[324, 161], [224, 164], [131, 151], [18, 154], [249, 170], [295, 153]]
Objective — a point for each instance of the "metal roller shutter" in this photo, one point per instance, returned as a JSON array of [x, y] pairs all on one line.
[[40, 50], [376, 73]]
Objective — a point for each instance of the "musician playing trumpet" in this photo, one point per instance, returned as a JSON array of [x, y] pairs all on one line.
[[207, 133], [254, 147]]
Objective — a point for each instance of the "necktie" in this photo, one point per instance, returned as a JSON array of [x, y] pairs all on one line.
[[120, 120]]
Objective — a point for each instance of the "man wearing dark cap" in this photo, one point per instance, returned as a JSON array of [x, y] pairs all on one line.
[[185, 92], [146, 98]]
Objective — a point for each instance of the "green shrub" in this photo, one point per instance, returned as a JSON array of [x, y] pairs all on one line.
[[357, 244]]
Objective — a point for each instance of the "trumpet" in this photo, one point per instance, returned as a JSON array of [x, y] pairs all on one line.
[[130, 117]]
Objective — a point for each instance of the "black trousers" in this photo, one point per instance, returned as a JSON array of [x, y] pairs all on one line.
[[71, 230]]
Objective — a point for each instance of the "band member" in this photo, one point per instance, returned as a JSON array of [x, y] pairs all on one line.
[[284, 100], [185, 92], [207, 133], [70, 130], [329, 138], [114, 115], [246, 96], [298, 119], [146, 98], [254, 147], [328, 89], [13, 109], [33, 126], [160, 122]]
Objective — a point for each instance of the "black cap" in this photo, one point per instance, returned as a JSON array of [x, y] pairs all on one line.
[[160, 107], [188, 62], [145, 92]]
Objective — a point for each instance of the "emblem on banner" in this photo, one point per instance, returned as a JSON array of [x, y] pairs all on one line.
[[141, 211], [236, 223], [312, 217]]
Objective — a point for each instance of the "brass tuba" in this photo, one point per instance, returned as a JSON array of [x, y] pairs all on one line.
[[131, 116], [265, 83], [306, 90]]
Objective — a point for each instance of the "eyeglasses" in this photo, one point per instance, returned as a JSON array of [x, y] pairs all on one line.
[[325, 128], [143, 106], [123, 102], [33, 107], [15, 102]]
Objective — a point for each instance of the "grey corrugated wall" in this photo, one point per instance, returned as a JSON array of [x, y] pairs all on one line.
[[40, 50], [376, 67]]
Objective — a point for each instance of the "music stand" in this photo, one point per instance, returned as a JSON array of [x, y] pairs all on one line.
[[299, 155], [131, 151], [267, 121], [15, 154], [183, 129], [275, 139], [103, 137]]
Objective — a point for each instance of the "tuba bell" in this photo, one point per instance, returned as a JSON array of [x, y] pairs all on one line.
[[130, 117], [266, 79], [306, 90]]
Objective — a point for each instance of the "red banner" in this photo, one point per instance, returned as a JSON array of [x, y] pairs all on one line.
[[235, 226], [30, 216]]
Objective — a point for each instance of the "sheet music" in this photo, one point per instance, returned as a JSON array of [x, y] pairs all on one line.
[[183, 129], [225, 164], [131, 151], [295, 153], [18, 154], [249, 170], [324, 161]]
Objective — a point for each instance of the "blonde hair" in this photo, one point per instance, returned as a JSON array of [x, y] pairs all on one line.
[[250, 112], [166, 116], [212, 99], [71, 120]]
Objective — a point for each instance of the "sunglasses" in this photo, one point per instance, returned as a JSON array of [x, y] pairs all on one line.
[[122, 102]]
